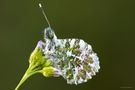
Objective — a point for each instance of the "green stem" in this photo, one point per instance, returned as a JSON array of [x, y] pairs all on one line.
[[27, 74]]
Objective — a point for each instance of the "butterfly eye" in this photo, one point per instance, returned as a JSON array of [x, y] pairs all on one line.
[[49, 34]]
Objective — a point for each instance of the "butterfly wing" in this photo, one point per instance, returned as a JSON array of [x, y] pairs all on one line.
[[74, 57]]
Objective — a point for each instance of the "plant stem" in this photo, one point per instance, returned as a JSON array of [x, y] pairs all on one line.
[[27, 74]]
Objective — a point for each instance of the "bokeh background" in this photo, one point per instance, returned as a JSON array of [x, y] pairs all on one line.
[[108, 25]]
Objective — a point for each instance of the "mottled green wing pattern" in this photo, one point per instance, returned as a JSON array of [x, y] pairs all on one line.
[[74, 58]]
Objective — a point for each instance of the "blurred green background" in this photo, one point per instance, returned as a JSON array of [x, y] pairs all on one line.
[[108, 25]]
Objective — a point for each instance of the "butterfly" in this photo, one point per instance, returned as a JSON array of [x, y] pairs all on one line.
[[73, 57]]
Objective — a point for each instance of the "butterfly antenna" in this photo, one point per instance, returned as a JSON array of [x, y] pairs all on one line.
[[40, 6]]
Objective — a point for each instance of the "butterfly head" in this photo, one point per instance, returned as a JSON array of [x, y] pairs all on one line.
[[49, 34]]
